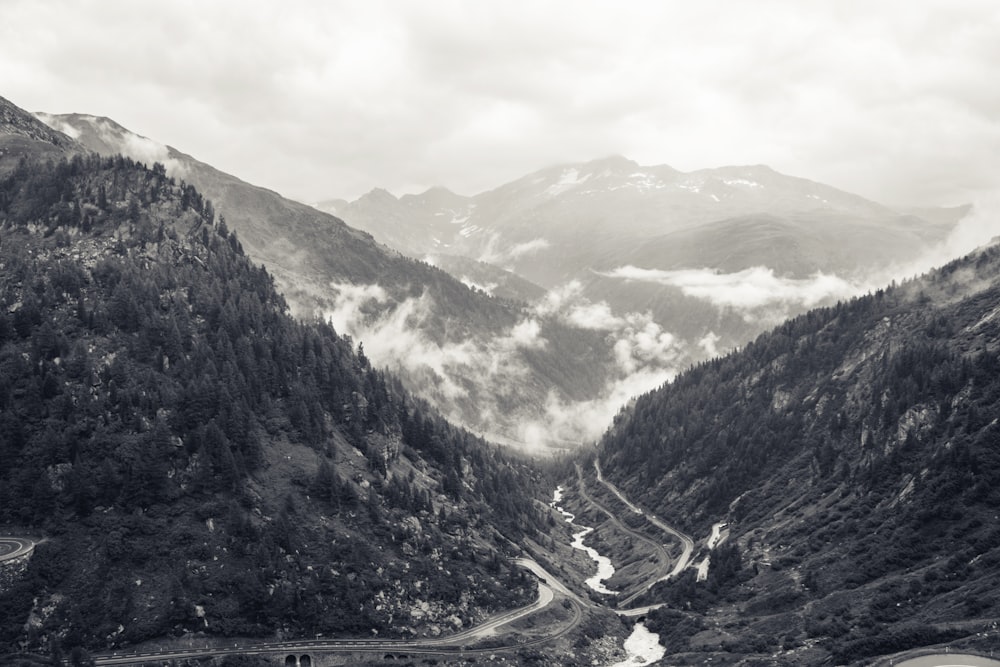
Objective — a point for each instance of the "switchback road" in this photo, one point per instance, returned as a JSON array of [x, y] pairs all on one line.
[[686, 541], [658, 547]]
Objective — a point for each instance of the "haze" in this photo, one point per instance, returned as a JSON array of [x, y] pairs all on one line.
[[896, 102]]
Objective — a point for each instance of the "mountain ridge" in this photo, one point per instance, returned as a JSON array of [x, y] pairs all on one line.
[[23, 136], [497, 366], [200, 463], [851, 455]]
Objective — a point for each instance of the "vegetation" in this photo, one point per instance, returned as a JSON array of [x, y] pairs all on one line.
[[201, 462], [853, 452]]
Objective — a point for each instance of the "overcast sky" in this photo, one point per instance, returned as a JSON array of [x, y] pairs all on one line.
[[895, 100]]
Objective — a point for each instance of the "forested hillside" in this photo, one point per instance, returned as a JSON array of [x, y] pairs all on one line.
[[453, 345], [855, 454], [199, 462]]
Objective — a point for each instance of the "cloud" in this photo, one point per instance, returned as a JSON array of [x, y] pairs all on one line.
[[318, 100], [568, 303], [709, 343], [483, 383], [59, 125], [755, 292], [979, 227], [503, 257], [450, 373], [638, 342], [570, 423]]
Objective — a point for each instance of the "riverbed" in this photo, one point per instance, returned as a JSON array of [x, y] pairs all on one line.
[[605, 570], [642, 647]]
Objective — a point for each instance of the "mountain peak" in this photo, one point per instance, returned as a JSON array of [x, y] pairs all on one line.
[[379, 195], [16, 121], [24, 136], [611, 162]]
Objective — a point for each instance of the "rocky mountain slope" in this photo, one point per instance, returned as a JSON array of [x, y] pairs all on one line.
[[22, 136], [518, 373], [200, 463], [852, 455]]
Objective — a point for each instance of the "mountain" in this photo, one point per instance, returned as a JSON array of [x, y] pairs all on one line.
[[488, 278], [517, 373], [199, 463], [852, 456], [652, 238], [22, 136], [557, 224]]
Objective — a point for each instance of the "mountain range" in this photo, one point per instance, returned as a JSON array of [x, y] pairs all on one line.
[[198, 463], [487, 362], [566, 315], [554, 225], [605, 222]]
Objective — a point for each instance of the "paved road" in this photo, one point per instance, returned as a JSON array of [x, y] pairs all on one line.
[[550, 579], [451, 643], [664, 555], [14, 547], [949, 660], [454, 643], [686, 541]]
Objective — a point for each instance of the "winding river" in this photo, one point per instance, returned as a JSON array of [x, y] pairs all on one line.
[[642, 647], [605, 570]]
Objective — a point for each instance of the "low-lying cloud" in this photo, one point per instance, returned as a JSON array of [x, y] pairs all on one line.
[[757, 293], [504, 257], [488, 384], [979, 227]]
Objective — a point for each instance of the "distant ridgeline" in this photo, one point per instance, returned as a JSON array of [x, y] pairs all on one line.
[[855, 453], [200, 461]]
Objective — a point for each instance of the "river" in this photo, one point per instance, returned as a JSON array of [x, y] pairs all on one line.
[[605, 570], [642, 647]]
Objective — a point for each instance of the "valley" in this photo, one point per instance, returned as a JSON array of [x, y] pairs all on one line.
[[502, 634], [242, 430]]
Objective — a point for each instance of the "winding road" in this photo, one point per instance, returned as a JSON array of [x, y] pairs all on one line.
[[657, 546], [949, 660], [686, 542], [14, 547], [453, 643], [548, 587]]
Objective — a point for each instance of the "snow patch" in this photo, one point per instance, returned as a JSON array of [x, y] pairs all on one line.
[[567, 180], [690, 186], [741, 182]]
